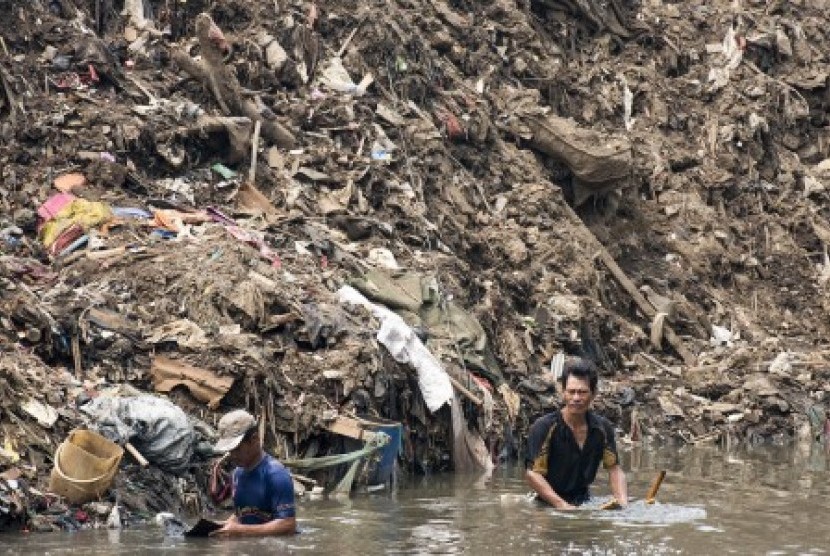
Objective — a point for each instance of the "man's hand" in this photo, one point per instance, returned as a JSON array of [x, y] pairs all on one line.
[[233, 528], [612, 504], [619, 488], [565, 506], [229, 529]]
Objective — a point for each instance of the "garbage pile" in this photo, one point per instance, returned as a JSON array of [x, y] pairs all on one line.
[[410, 212]]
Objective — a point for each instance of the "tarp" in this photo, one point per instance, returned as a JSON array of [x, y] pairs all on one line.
[[158, 428], [469, 452], [418, 300]]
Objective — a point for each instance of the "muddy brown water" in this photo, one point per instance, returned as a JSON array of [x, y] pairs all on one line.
[[765, 500]]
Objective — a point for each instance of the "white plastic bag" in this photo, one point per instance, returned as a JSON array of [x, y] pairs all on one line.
[[406, 347]]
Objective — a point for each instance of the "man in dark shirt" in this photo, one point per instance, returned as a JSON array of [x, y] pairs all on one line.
[[263, 491], [565, 447]]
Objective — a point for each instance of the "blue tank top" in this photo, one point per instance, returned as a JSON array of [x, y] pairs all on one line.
[[264, 493]]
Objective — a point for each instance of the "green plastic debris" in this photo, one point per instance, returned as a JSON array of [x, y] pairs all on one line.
[[401, 65], [223, 171]]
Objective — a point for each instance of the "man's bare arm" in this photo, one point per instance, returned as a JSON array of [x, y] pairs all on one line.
[[233, 528], [541, 486], [619, 487]]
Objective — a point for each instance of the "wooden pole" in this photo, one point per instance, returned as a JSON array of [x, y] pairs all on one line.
[[651, 495], [142, 461], [76, 357], [644, 305], [254, 151], [461, 388]]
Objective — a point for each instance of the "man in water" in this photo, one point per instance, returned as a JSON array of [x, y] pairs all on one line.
[[566, 446], [263, 492]]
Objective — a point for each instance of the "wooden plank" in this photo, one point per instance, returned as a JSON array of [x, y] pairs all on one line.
[[346, 426]]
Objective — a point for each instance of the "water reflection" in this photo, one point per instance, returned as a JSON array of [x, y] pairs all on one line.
[[761, 500]]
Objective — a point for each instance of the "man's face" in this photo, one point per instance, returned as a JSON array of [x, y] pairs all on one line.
[[577, 395], [246, 452]]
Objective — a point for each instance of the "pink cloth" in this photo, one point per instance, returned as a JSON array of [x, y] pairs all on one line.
[[54, 205]]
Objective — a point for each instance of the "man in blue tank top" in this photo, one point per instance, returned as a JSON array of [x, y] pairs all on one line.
[[263, 491]]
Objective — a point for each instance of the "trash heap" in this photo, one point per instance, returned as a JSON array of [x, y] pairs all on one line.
[[411, 212]]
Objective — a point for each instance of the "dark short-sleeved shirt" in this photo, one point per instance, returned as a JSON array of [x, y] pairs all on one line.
[[553, 452], [264, 493]]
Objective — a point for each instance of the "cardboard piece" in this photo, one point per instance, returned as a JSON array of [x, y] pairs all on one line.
[[205, 385]]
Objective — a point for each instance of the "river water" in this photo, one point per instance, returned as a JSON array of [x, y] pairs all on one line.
[[767, 500]]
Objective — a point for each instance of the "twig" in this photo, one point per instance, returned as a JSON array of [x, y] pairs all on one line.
[[303, 479], [223, 83], [670, 44], [708, 437], [643, 304], [474, 180], [3, 44], [651, 495], [262, 422], [787, 86], [349, 39], [150, 97]]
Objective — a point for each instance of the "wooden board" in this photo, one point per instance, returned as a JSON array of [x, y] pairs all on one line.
[[346, 426]]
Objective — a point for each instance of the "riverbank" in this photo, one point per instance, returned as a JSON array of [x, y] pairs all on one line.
[[155, 235]]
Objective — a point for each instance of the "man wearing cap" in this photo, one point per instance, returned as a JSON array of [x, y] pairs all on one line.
[[263, 492]]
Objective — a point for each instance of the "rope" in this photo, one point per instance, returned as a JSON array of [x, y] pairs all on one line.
[[378, 442]]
